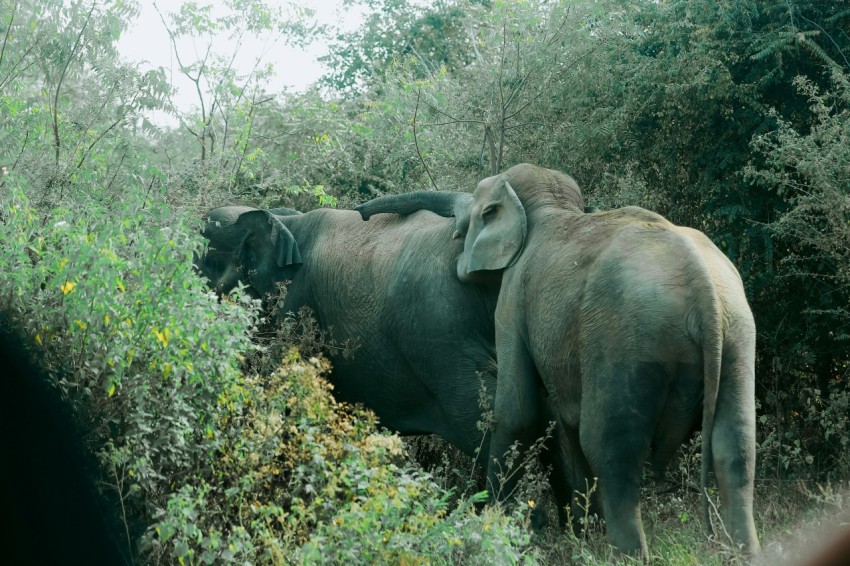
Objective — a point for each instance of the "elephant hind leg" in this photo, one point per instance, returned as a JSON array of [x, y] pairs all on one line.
[[618, 418], [617, 459], [679, 417], [733, 448]]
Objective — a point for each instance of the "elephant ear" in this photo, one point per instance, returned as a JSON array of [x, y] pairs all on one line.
[[286, 248], [262, 227], [502, 228]]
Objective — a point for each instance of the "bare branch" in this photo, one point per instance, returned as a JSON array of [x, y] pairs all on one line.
[[416, 140], [837, 47], [106, 131], [11, 75], [545, 83], [477, 122], [8, 31], [496, 166], [549, 43], [117, 170], [20, 153], [56, 141], [444, 113], [488, 136]]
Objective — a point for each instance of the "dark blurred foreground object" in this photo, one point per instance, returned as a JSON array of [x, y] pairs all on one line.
[[50, 509], [836, 553]]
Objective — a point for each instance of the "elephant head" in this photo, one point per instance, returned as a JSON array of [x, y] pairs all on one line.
[[216, 263], [496, 232], [498, 223], [249, 245], [267, 252], [283, 211], [492, 220]]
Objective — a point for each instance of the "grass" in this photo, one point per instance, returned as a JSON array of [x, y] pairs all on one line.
[[793, 518]]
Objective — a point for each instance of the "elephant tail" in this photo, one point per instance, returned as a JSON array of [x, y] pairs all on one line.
[[712, 344]]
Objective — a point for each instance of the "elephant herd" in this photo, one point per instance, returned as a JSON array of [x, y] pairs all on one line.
[[619, 326]]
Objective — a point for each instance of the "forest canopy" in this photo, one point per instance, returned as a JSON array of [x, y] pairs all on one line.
[[728, 116]]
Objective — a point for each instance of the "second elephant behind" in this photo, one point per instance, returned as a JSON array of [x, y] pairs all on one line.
[[422, 338]]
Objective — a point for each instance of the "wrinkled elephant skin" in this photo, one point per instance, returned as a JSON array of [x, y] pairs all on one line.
[[625, 327], [422, 337]]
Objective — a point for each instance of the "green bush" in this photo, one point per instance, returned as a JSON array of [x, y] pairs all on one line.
[[144, 353], [806, 420], [301, 478], [208, 464]]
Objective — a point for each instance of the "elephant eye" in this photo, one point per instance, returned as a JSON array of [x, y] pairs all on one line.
[[489, 211]]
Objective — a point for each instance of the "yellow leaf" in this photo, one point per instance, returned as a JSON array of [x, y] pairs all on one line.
[[111, 390], [38, 339], [106, 319], [67, 287], [166, 369], [80, 324], [162, 337]]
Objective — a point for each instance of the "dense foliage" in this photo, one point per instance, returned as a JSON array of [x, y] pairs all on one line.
[[729, 116]]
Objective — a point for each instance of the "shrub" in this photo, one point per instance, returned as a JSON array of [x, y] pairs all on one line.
[[300, 477], [806, 422], [208, 464], [141, 350]]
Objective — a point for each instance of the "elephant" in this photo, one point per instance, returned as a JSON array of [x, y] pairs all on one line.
[[423, 337], [621, 324], [219, 229]]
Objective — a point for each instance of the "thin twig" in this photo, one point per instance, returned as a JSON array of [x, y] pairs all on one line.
[[478, 122], [837, 47], [416, 139], [117, 169], [23, 147], [8, 31], [62, 78], [106, 131]]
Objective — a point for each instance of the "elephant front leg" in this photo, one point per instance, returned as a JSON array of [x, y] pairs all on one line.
[[517, 412]]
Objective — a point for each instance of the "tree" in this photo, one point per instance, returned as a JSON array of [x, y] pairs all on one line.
[[228, 99], [69, 101], [436, 35]]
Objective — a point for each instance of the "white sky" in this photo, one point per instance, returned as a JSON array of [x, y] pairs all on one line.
[[147, 41]]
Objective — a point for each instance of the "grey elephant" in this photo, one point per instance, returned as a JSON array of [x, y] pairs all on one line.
[[217, 263], [623, 325], [422, 336]]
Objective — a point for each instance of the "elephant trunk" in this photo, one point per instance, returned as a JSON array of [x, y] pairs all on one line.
[[443, 203]]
